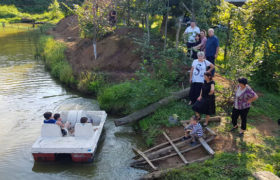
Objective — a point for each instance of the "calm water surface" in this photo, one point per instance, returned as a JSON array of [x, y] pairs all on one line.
[[26, 92]]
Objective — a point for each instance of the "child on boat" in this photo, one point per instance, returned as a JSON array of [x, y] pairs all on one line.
[[193, 130], [48, 118], [64, 127]]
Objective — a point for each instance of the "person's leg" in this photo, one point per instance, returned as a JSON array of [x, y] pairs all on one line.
[[197, 115], [206, 120], [243, 115], [191, 94], [234, 117]]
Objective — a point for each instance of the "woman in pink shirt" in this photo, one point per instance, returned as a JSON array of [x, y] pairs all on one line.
[[203, 39]]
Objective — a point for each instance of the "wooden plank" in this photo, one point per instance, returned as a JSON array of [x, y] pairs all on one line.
[[210, 131], [136, 163], [161, 173], [175, 148], [159, 146], [145, 157], [206, 146]]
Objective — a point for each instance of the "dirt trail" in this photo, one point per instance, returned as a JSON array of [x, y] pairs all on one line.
[[116, 52]]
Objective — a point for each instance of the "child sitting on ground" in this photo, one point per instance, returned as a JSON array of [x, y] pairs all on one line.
[[193, 130]]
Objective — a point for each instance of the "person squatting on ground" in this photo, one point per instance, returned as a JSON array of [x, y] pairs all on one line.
[[205, 103], [212, 48], [199, 67], [193, 131], [244, 96]]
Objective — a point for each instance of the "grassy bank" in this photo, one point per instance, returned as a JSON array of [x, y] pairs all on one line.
[[52, 53]]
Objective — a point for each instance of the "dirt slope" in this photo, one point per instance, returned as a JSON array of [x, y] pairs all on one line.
[[116, 52]]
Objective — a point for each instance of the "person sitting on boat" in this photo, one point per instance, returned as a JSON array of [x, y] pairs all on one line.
[[193, 130], [64, 127], [48, 118], [84, 120]]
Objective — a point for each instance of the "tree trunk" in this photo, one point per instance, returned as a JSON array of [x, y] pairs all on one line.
[[148, 25], [180, 19], [165, 29], [94, 49], [227, 41], [136, 116], [128, 12]]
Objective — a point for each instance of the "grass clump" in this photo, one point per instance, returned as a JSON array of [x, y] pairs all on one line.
[[54, 57]]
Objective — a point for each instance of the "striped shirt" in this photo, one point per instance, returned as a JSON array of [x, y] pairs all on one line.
[[196, 129]]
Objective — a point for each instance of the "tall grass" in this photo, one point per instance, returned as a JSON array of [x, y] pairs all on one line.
[[54, 57]]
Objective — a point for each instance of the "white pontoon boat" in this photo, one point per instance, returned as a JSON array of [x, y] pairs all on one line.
[[81, 145]]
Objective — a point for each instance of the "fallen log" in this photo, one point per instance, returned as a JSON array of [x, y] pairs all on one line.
[[206, 146], [136, 116], [158, 174], [137, 163]]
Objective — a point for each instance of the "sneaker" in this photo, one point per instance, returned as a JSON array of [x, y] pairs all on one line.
[[193, 143], [241, 134], [185, 138]]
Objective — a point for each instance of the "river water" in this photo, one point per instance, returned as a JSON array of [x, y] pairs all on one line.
[[26, 92]]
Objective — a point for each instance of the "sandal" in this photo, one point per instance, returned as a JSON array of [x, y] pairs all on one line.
[[205, 124], [233, 129]]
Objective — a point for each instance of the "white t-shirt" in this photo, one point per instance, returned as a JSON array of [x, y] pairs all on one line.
[[199, 68], [191, 33]]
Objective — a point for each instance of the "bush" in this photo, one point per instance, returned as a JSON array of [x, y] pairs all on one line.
[[116, 98]]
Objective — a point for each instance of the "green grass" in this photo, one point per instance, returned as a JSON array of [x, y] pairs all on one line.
[[152, 125], [234, 165], [54, 57], [267, 105]]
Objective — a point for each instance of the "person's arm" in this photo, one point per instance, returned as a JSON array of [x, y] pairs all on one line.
[[60, 124], [212, 66], [253, 98], [191, 72], [217, 49], [200, 96], [212, 90]]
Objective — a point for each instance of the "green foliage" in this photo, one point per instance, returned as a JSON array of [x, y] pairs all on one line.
[[53, 54], [152, 124], [9, 13], [116, 98], [90, 83], [130, 96]]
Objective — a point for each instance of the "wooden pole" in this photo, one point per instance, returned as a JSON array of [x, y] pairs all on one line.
[[145, 157], [136, 116], [176, 149]]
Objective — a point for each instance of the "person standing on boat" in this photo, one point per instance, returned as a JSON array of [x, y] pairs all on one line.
[[205, 103], [199, 67], [244, 96]]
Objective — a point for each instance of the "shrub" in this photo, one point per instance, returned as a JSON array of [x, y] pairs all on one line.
[[116, 98]]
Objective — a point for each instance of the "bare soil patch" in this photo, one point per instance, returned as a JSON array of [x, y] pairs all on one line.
[[117, 59]]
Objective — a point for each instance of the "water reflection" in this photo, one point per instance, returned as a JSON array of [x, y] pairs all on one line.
[[26, 92]]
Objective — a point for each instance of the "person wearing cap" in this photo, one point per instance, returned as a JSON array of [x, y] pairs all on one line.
[[191, 32], [244, 96]]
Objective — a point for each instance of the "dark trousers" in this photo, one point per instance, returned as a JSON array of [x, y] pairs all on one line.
[[243, 114], [212, 60], [189, 46], [195, 91]]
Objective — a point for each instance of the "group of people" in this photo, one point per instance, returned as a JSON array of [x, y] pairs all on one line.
[[204, 51], [65, 127]]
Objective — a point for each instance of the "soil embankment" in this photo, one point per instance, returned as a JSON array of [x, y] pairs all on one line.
[[116, 52]]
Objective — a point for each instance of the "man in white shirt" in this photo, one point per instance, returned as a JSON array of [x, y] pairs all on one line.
[[190, 33]]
